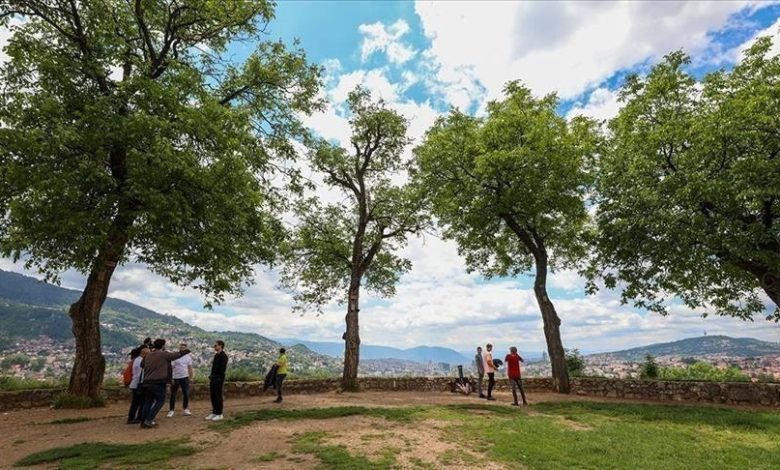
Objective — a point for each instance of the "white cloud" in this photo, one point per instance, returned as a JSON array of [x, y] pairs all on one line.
[[602, 104], [772, 31], [380, 38], [566, 47]]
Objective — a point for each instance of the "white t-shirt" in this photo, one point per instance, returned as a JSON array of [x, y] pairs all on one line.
[[181, 367], [137, 372]]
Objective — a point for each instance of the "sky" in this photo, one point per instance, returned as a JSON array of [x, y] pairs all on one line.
[[425, 57]]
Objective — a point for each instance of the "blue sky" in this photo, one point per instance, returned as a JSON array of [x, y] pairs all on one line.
[[423, 58]]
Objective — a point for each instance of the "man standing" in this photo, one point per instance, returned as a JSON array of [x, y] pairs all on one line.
[[156, 374], [281, 373], [479, 362], [513, 361], [216, 381], [490, 368], [136, 411], [182, 375]]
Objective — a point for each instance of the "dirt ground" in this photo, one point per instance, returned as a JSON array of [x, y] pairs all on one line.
[[24, 432]]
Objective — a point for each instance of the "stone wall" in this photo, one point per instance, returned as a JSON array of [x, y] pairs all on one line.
[[697, 392], [732, 393]]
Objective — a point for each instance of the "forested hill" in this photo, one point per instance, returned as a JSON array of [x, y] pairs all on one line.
[[34, 318], [696, 347]]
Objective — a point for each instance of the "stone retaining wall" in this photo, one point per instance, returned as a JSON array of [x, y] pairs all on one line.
[[699, 392]]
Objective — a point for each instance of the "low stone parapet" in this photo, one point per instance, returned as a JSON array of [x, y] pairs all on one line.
[[734, 393]]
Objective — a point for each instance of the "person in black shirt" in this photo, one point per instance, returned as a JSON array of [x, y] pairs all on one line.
[[216, 381]]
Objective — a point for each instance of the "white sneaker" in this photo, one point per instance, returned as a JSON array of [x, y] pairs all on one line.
[[210, 416], [218, 418], [187, 412], [170, 414]]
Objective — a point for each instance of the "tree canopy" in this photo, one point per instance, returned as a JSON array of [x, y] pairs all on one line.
[[339, 247], [510, 189], [689, 188]]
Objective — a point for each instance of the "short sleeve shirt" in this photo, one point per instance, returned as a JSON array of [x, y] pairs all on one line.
[[181, 366]]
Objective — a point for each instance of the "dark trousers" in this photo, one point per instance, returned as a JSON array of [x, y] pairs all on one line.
[[137, 405], [215, 392], [279, 380], [517, 383], [154, 397], [185, 392], [491, 383]]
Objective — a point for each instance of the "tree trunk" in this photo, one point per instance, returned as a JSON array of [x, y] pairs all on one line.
[[89, 365], [352, 339], [552, 323]]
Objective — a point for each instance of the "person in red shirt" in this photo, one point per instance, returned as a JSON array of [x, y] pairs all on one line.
[[513, 361]]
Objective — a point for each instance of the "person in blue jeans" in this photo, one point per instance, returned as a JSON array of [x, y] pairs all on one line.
[[157, 366], [182, 375]]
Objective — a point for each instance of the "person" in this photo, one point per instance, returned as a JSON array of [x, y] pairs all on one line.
[[281, 373], [156, 370], [182, 375], [479, 362], [216, 381], [136, 387], [490, 369], [513, 361]]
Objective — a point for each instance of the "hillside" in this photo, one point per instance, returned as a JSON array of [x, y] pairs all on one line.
[[34, 323], [696, 347], [420, 354]]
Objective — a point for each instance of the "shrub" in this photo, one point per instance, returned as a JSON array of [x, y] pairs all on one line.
[[574, 362], [66, 400], [649, 368], [703, 371], [10, 383], [243, 375]]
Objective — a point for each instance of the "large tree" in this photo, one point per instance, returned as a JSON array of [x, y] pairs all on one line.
[[689, 188], [510, 188], [337, 248], [125, 135]]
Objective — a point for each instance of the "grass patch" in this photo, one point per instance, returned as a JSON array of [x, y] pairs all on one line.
[[94, 454], [624, 436], [337, 457], [245, 418], [269, 457], [69, 401], [9, 383], [68, 420]]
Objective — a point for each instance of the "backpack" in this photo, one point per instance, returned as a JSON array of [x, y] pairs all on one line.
[[127, 375]]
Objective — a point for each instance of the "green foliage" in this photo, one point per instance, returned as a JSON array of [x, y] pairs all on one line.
[[357, 238], [649, 369], [689, 188], [243, 375], [10, 383], [17, 359], [575, 363], [97, 455], [167, 158], [68, 401], [703, 371], [338, 457], [509, 188]]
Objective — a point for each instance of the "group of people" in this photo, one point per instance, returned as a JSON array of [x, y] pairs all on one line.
[[487, 365], [152, 369]]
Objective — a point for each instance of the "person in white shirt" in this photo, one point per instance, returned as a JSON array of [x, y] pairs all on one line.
[[182, 375], [136, 406]]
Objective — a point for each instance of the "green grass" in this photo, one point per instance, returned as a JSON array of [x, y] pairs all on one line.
[[334, 457], [66, 400], [245, 418], [9, 383], [269, 457], [69, 420], [92, 455], [609, 436]]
